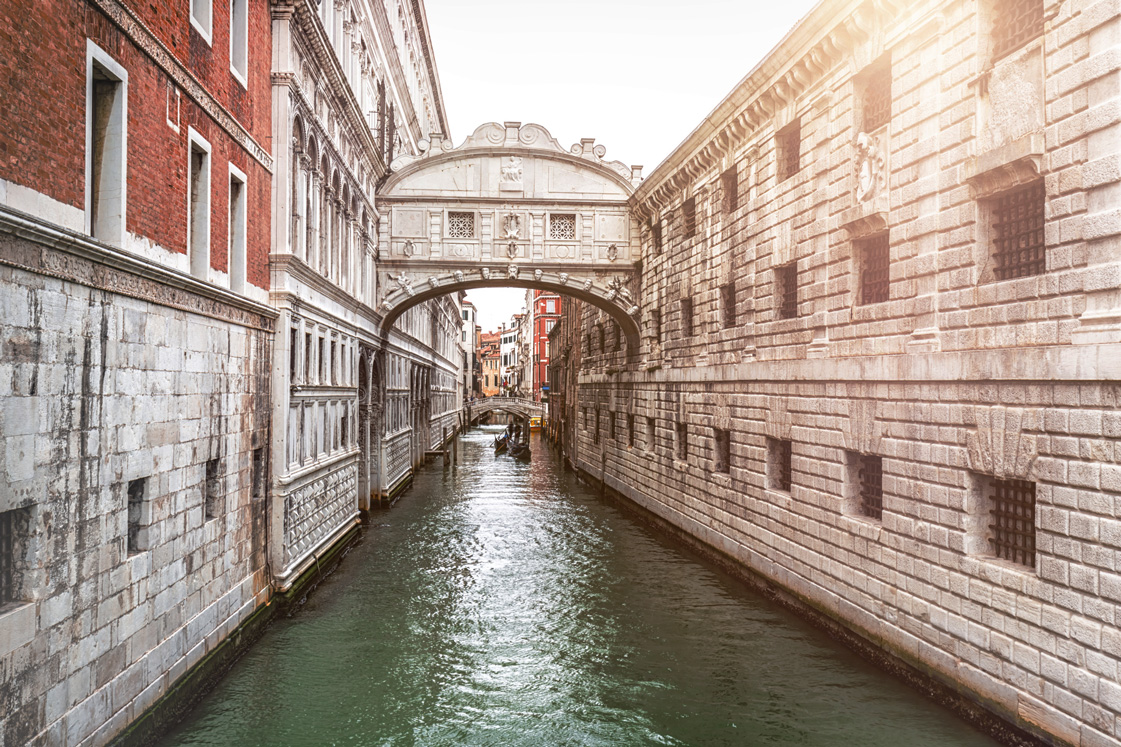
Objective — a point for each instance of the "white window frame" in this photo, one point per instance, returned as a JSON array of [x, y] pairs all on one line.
[[202, 18], [237, 232], [199, 257], [239, 16], [114, 233]]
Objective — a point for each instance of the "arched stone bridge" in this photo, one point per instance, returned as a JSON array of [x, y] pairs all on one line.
[[510, 207], [523, 407]]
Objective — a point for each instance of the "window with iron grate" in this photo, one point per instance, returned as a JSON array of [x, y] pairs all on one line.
[[656, 235], [869, 485], [682, 441], [630, 431], [876, 103], [611, 425], [8, 544], [656, 324], [562, 226], [1012, 513], [722, 444], [689, 214], [1015, 23], [616, 337], [788, 150], [875, 274], [779, 452], [730, 181], [687, 317], [1017, 221], [461, 225], [651, 434], [136, 497], [595, 433], [728, 304], [786, 290]]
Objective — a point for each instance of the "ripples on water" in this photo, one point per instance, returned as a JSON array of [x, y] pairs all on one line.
[[505, 604]]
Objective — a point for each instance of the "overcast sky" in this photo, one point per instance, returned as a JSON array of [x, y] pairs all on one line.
[[637, 75]]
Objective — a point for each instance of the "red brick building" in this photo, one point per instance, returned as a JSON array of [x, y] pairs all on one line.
[[546, 313]]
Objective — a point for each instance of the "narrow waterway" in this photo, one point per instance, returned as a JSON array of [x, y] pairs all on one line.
[[504, 603]]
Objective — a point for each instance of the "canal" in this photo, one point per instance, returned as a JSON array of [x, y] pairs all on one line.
[[505, 603]]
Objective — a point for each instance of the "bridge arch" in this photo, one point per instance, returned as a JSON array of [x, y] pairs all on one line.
[[510, 207]]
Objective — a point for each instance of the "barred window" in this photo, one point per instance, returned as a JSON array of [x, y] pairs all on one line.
[[728, 303], [1015, 23], [656, 232], [8, 544], [687, 317], [875, 274], [656, 324], [562, 226], [689, 214], [730, 181], [136, 496], [786, 290], [876, 103], [779, 452], [630, 431], [722, 443], [611, 425], [461, 225], [1013, 520], [682, 442], [1017, 232], [595, 434], [788, 150], [870, 477]]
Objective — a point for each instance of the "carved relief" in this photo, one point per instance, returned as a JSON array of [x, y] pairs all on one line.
[[864, 432], [512, 170], [869, 167], [403, 283], [512, 227], [778, 423]]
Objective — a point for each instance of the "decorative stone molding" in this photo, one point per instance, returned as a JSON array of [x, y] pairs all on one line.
[[1011, 165], [869, 167], [998, 446], [779, 424]]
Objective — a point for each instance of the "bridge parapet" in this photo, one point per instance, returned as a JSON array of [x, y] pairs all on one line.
[[520, 406]]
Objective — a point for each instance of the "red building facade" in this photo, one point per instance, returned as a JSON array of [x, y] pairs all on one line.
[[546, 313]]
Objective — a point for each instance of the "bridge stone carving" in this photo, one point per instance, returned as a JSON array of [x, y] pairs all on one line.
[[509, 207], [521, 406]]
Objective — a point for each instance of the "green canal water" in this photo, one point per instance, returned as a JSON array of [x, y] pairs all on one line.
[[505, 603]]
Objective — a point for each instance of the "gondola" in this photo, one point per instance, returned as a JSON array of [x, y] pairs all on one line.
[[500, 442], [520, 451]]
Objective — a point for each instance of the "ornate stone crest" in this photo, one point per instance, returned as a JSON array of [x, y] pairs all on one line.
[[512, 249], [409, 248], [612, 253], [869, 167], [512, 226]]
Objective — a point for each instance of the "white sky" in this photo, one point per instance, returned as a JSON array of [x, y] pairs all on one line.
[[637, 75]]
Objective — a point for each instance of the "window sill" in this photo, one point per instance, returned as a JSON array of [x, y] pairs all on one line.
[[17, 626]]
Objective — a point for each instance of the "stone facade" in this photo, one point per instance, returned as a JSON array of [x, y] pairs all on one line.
[[880, 292]]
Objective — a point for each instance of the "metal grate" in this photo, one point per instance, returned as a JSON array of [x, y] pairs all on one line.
[[562, 227], [723, 443], [877, 98], [656, 230], [782, 451], [1013, 515], [682, 442], [875, 272], [871, 478], [689, 211], [728, 301], [789, 146], [461, 225], [787, 280], [1015, 23], [7, 557], [1017, 226], [730, 180], [687, 317]]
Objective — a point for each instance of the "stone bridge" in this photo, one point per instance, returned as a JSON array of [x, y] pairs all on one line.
[[510, 207], [523, 407]]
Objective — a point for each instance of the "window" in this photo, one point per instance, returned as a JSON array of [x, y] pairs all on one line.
[[730, 181], [211, 489], [236, 255], [786, 290], [198, 204], [562, 226], [550, 306], [1009, 519], [689, 214], [461, 225], [630, 431], [868, 474], [307, 357], [779, 464], [1015, 23], [1016, 225], [201, 17], [722, 446], [106, 146], [682, 433], [687, 317], [239, 40], [875, 104], [656, 324], [788, 144], [728, 304], [651, 435], [875, 275], [334, 363], [595, 434], [611, 425], [616, 337], [322, 362], [293, 341], [600, 338], [14, 531], [137, 519], [656, 234], [259, 478]]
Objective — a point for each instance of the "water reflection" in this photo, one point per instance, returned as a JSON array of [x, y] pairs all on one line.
[[504, 604]]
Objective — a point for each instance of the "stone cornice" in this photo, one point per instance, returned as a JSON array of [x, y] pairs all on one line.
[[55, 252], [319, 47], [140, 35], [810, 50], [430, 61]]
